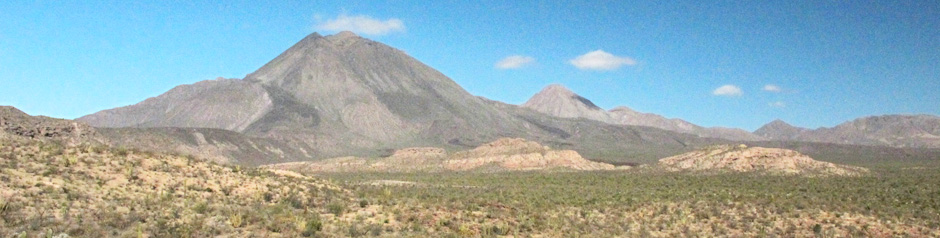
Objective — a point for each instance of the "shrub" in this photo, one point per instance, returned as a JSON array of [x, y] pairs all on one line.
[[312, 226], [237, 220], [336, 208]]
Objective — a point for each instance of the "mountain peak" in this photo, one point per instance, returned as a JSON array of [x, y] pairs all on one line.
[[560, 92], [779, 129], [559, 101], [557, 89], [778, 122], [344, 35]]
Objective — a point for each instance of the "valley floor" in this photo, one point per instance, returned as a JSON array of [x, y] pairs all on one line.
[[50, 190], [897, 201]]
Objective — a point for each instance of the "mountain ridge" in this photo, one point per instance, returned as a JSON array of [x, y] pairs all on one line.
[[557, 100], [344, 95], [897, 130]]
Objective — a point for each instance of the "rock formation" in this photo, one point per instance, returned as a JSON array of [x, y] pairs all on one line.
[[520, 154], [505, 154], [14, 122], [728, 158]]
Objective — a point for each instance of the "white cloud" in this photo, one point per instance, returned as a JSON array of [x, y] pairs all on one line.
[[600, 60], [728, 90], [772, 88], [778, 104], [514, 62], [362, 24]]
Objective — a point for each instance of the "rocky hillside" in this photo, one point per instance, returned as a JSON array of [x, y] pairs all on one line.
[[519, 154], [918, 131], [220, 146], [86, 189], [755, 159], [16, 123], [505, 154], [556, 100]]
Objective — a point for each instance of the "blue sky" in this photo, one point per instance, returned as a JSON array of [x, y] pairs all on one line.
[[708, 63]]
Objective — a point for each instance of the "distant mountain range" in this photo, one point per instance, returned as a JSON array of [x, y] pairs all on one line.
[[344, 95], [556, 100], [917, 131], [889, 130]]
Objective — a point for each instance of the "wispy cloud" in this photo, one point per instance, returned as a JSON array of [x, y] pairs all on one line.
[[772, 88], [362, 24], [728, 90], [514, 62], [600, 60], [778, 104]]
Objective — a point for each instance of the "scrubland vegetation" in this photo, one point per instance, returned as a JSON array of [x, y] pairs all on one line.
[[52, 190], [49, 190], [894, 201]]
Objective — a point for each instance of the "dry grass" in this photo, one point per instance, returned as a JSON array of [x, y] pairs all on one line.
[[641, 203], [48, 189], [91, 191]]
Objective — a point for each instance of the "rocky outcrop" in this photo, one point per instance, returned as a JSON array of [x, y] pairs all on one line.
[[520, 154], [728, 158], [14, 122], [506, 154]]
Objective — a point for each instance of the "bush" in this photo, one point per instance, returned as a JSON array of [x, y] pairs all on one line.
[[313, 226], [336, 208]]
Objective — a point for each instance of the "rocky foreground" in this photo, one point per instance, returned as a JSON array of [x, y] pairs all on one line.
[[58, 179], [729, 158], [506, 154]]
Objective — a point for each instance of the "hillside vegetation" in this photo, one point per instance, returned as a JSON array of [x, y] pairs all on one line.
[[897, 202], [93, 191]]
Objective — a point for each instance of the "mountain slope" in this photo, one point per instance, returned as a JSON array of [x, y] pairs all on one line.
[[229, 104], [54, 189], [556, 100], [373, 90], [343, 95], [888, 130]]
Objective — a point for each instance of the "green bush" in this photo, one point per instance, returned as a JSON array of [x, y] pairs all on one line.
[[336, 208]]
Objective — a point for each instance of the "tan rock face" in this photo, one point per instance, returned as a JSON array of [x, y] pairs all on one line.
[[756, 159], [520, 154], [506, 154]]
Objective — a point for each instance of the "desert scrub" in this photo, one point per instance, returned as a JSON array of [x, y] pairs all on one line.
[[126, 193], [336, 208], [649, 202]]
